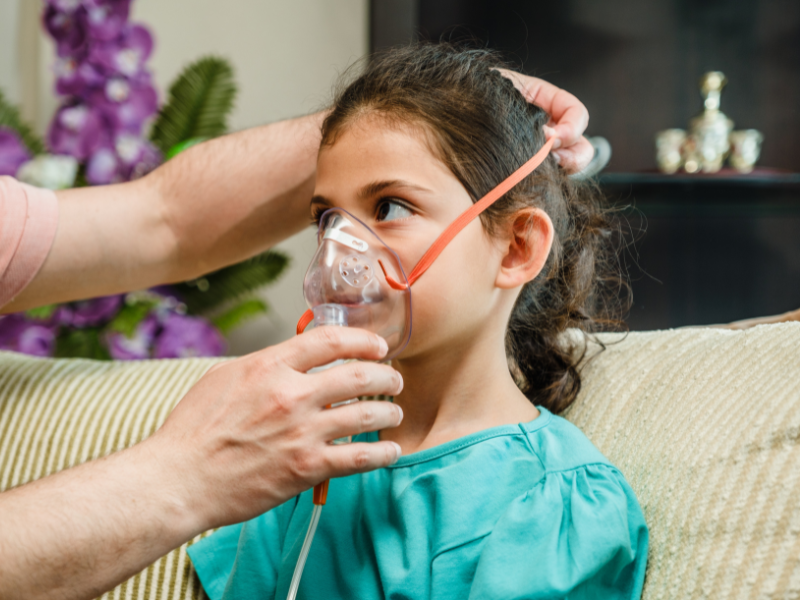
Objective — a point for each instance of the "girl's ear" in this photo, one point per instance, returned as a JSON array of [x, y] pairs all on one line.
[[527, 246]]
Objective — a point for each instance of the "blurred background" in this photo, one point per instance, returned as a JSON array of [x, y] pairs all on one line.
[[709, 247]]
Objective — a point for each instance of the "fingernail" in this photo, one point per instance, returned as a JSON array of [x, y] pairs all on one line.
[[400, 420], [557, 156], [402, 383], [557, 144], [548, 132], [398, 451], [383, 347]]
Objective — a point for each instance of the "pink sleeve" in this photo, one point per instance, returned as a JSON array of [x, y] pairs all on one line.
[[28, 222]]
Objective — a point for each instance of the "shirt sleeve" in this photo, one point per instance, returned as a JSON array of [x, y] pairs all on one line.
[[28, 222], [577, 534]]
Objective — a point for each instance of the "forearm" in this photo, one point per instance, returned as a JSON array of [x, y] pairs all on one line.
[[215, 204], [786, 317], [80, 532], [239, 195]]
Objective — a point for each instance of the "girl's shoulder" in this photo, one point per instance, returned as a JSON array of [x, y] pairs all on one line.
[[560, 445], [579, 524]]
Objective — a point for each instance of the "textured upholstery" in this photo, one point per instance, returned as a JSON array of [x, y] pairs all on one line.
[[58, 413], [704, 423]]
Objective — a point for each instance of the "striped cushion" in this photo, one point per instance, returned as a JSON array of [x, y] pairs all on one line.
[[704, 423], [59, 413]]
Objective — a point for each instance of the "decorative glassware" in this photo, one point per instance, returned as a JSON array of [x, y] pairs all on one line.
[[710, 139], [669, 144], [745, 149]]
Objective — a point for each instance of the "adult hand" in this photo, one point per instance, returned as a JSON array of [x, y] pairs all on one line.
[[568, 119], [248, 436], [254, 432]]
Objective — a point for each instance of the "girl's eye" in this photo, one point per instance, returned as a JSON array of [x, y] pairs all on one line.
[[316, 215], [390, 210]]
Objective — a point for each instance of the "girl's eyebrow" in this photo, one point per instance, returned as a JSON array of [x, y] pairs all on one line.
[[375, 188]]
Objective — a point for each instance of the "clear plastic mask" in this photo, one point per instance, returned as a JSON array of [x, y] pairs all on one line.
[[346, 283]]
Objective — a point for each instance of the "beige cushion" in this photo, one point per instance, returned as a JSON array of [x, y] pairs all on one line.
[[59, 413], [704, 423]]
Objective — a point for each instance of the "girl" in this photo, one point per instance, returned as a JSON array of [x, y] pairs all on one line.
[[495, 496]]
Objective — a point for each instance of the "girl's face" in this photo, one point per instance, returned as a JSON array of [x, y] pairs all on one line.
[[387, 175]]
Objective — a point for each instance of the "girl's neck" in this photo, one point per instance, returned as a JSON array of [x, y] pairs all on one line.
[[453, 393]]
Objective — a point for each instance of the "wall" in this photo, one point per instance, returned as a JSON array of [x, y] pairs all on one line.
[[287, 55]]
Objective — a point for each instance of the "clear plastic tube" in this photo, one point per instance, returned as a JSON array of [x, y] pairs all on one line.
[[301, 560]]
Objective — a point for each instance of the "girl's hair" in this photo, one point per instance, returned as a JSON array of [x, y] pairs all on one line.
[[483, 129]]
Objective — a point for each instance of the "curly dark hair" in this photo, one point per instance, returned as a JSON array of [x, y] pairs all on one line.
[[483, 130]]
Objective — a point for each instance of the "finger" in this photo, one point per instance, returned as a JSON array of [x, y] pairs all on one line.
[[577, 157], [348, 459], [360, 417], [323, 345], [570, 117], [355, 379]]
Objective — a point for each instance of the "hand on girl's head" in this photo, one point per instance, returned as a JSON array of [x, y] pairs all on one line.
[[568, 119]]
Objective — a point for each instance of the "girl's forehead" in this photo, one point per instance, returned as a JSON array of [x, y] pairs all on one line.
[[376, 148]]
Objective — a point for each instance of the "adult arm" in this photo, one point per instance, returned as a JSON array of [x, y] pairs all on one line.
[[250, 435], [215, 204]]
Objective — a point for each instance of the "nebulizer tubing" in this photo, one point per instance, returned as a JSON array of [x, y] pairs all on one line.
[[330, 315], [336, 314]]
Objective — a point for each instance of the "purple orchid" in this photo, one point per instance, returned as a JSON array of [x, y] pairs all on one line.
[[66, 22], [126, 103], [75, 78], [106, 18], [37, 340], [13, 153], [131, 158], [11, 327], [184, 337], [104, 167], [29, 337], [101, 69], [136, 347], [78, 130], [88, 313], [125, 55]]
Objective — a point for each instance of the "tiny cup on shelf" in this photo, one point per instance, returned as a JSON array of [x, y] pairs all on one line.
[[669, 144], [745, 149]]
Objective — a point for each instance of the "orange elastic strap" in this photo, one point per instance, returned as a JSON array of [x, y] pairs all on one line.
[[468, 215], [307, 317]]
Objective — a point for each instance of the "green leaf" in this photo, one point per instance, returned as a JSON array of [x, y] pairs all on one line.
[[10, 117], [185, 145], [232, 283], [198, 106], [81, 343], [129, 317], [41, 313], [240, 313]]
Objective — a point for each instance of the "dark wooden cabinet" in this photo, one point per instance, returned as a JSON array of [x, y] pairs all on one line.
[[708, 249]]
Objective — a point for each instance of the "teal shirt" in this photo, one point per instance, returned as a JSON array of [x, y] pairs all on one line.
[[520, 511]]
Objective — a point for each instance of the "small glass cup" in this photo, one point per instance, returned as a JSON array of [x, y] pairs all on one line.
[[745, 149], [668, 149]]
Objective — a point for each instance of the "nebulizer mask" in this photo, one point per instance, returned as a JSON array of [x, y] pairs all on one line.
[[356, 280]]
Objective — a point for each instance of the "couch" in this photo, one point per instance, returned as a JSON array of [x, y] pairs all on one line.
[[705, 424]]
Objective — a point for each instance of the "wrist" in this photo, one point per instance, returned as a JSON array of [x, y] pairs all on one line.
[[173, 481]]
